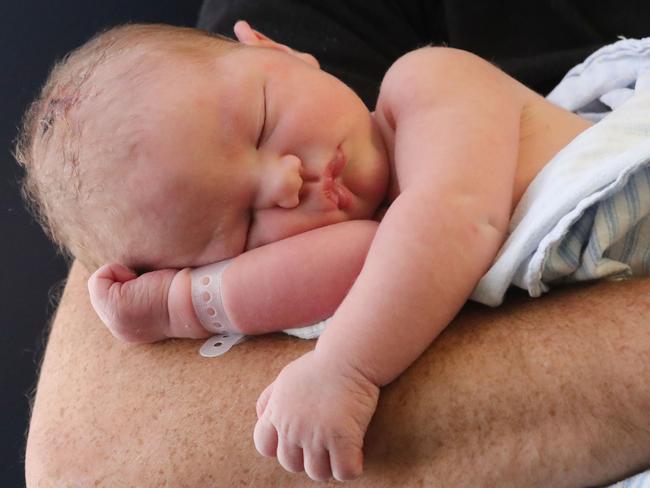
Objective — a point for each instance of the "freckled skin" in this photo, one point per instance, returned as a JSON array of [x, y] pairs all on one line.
[[97, 397]]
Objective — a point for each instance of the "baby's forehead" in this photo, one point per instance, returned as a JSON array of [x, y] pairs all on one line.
[[134, 104], [162, 80]]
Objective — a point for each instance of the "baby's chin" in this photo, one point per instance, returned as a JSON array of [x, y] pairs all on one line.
[[369, 182], [364, 210], [371, 198]]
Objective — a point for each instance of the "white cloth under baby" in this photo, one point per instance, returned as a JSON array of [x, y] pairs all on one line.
[[641, 480], [585, 215], [604, 80]]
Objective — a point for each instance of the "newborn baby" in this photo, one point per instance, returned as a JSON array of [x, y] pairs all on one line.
[[158, 149]]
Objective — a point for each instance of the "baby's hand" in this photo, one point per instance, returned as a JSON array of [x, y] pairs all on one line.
[[314, 417], [146, 308]]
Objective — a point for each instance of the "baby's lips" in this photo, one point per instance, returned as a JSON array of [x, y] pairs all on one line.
[[344, 196], [335, 166]]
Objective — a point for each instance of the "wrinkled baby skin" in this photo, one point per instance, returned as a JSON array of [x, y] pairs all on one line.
[[314, 417], [147, 308]]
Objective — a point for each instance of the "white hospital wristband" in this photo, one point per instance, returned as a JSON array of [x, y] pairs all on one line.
[[207, 298]]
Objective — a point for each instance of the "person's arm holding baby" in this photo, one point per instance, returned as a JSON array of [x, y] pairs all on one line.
[[454, 169]]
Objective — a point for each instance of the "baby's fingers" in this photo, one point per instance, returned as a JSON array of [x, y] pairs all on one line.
[[116, 272], [317, 463], [346, 461], [101, 280], [262, 400], [290, 456], [134, 308], [265, 437], [100, 283]]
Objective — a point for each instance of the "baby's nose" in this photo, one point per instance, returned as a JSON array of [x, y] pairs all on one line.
[[287, 182]]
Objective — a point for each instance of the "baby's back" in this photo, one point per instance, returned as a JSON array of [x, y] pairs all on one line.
[[444, 83], [544, 130]]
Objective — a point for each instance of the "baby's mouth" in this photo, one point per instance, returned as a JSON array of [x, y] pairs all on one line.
[[337, 193], [335, 167], [332, 186], [329, 192]]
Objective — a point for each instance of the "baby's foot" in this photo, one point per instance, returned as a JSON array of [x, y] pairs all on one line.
[[146, 308]]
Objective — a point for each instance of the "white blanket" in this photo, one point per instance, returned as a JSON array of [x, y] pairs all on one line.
[[586, 214]]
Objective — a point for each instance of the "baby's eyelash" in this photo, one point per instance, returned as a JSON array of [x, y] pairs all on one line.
[[259, 138], [247, 234]]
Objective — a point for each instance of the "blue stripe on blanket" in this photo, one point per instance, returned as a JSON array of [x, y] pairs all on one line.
[[611, 238]]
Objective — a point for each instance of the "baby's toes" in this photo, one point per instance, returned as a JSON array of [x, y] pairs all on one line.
[[317, 463]]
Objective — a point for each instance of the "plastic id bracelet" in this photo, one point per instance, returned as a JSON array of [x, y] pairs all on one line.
[[208, 305]]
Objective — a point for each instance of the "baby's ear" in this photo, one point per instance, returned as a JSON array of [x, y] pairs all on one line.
[[249, 36]]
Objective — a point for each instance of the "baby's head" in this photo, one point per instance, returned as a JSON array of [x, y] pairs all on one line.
[[158, 146]]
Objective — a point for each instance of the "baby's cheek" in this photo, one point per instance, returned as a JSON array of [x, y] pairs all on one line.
[[276, 224], [265, 231]]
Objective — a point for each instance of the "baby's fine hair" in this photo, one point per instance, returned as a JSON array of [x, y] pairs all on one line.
[[63, 159]]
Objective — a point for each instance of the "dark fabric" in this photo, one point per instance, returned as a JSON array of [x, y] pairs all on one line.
[[357, 40], [536, 41], [349, 38]]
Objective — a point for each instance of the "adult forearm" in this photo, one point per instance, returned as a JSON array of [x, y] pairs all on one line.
[[548, 392]]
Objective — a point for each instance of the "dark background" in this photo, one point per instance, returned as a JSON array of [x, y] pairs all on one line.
[[536, 42], [33, 34]]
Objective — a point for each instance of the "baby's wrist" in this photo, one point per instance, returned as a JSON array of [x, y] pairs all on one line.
[[329, 359], [183, 321]]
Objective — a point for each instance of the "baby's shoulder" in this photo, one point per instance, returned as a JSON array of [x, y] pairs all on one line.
[[440, 75]]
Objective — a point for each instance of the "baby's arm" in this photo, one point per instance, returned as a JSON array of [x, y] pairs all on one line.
[[456, 141], [289, 283], [455, 132], [296, 281]]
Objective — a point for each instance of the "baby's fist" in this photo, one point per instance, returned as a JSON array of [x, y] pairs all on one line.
[[133, 307], [314, 417]]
